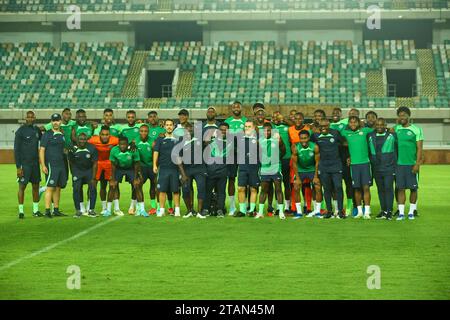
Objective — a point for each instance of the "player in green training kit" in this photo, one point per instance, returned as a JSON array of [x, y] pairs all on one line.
[[145, 149], [81, 126], [283, 130], [270, 143], [108, 120], [236, 124], [305, 161], [155, 131], [356, 139], [131, 132], [125, 163], [410, 152]]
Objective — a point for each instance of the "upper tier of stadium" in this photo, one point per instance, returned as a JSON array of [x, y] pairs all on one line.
[[99, 75], [212, 5]]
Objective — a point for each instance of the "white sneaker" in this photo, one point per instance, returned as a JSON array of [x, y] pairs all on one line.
[[177, 214], [159, 215], [367, 216], [190, 214], [311, 215], [359, 215], [200, 216], [282, 216], [118, 213], [411, 217], [231, 213], [259, 216], [400, 217]]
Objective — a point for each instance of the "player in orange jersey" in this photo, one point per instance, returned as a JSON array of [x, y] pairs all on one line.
[[104, 142], [294, 137]]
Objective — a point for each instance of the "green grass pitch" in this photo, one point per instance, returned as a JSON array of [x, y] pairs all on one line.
[[169, 258]]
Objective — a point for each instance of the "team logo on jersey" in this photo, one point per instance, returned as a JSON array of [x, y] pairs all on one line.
[[37, 135], [286, 128], [52, 181], [360, 133], [136, 130], [75, 178], [154, 133], [253, 141], [128, 157], [241, 126], [148, 148], [88, 156], [311, 154], [409, 133], [332, 140]]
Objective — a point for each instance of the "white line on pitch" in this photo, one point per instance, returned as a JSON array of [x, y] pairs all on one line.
[[52, 246]]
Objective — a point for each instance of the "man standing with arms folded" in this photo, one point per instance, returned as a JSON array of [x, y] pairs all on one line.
[[26, 155], [410, 153], [52, 161]]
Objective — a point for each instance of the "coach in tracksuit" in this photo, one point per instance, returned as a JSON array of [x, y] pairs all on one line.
[[330, 166], [194, 169], [83, 165], [383, 156], [26, 155], [218, 148], [249, 165]]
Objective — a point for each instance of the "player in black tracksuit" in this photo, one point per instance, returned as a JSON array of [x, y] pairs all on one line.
[[26, 154], [83, 165], [330, 166], [383, 156], [217, 169], [195, 169]]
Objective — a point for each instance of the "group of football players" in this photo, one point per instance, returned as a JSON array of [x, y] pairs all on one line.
[[274, 155]]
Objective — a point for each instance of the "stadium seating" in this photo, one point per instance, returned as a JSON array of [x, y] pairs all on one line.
[[99, 75], [211, 5], [40, 76], [333, 72]]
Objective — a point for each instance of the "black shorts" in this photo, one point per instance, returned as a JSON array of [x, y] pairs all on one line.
[[57, 176], [232, 170], [405, 178], [31, 174], [127, 173], [306, 175], [271, 177], [199, 174], [361, 175], [248, 178], [168, 180], [81, 177], [147, 174]]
